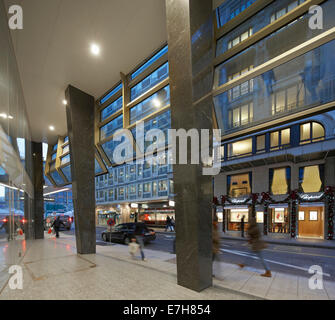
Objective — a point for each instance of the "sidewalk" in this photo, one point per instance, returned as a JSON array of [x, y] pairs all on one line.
[[53, 270], [311, 243]]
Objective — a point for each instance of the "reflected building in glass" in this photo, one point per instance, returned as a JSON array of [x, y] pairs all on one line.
[[274, 93]]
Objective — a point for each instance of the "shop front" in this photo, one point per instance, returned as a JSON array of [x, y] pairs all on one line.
[[104, 214], [235, 216], [297, 215], [279, 219], [311, 220], [156, 215]]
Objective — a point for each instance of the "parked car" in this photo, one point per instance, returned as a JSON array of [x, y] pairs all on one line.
[[125, 231], [67, 220]]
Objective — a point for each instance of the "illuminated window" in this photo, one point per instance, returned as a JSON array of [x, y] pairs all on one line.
[[243, 88], [245, 35], [241, 115], [239, 185], [240, 148], [280, 180], [280, 139], [285, 10], [311, 178], [287, 99], [235, 218], [311, 132]]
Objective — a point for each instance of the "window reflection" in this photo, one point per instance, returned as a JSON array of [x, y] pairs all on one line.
[[150, 81], [155, 102], [111, 127], [299, 84]]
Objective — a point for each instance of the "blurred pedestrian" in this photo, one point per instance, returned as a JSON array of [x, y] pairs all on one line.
[[139, 238], [215, 243], [133, 247], [172, 224], [56, 225], [257, 245], [168, 222], [242, 226]]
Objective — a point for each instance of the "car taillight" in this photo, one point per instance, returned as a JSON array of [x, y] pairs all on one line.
[[70, 219], [4, 220], [23, 221]]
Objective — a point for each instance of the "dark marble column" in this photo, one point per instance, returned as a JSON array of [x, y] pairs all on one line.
[[80, 123], [38, 181], [190, 40]]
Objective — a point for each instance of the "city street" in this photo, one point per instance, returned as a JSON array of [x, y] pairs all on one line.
[[293, 260]]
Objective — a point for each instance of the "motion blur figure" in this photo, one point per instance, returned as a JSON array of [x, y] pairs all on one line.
[[257, 245], [215, 245]]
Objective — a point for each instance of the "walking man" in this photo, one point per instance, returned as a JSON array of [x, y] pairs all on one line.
[[257, 245], [56, 225]]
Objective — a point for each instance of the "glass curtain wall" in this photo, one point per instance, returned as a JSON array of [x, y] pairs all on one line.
[[16, 189]]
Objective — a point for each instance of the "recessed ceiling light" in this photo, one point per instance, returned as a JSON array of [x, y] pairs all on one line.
[[64, 102], [10, 117], [52, 128], [95, 49]]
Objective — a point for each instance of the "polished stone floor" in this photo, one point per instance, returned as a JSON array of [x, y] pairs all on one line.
[[53, 270]]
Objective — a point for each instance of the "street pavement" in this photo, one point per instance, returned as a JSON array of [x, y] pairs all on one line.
[[290, 260]]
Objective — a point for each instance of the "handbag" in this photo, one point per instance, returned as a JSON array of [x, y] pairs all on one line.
[[49, 231]]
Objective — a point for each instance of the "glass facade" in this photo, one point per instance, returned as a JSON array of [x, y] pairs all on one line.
[[15, 143], [231, 9], [299, 84], [57, 178], [111, 109], [263, 18], [111, 127], [150, 81], [67, 173], [110, 94], [147, 64], [154, 103]]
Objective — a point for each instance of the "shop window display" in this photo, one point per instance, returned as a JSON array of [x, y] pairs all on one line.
[[235, 217], [279, 220]]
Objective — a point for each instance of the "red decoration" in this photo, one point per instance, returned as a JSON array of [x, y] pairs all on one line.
[[254, 197], [294, 195], [215, 201]]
